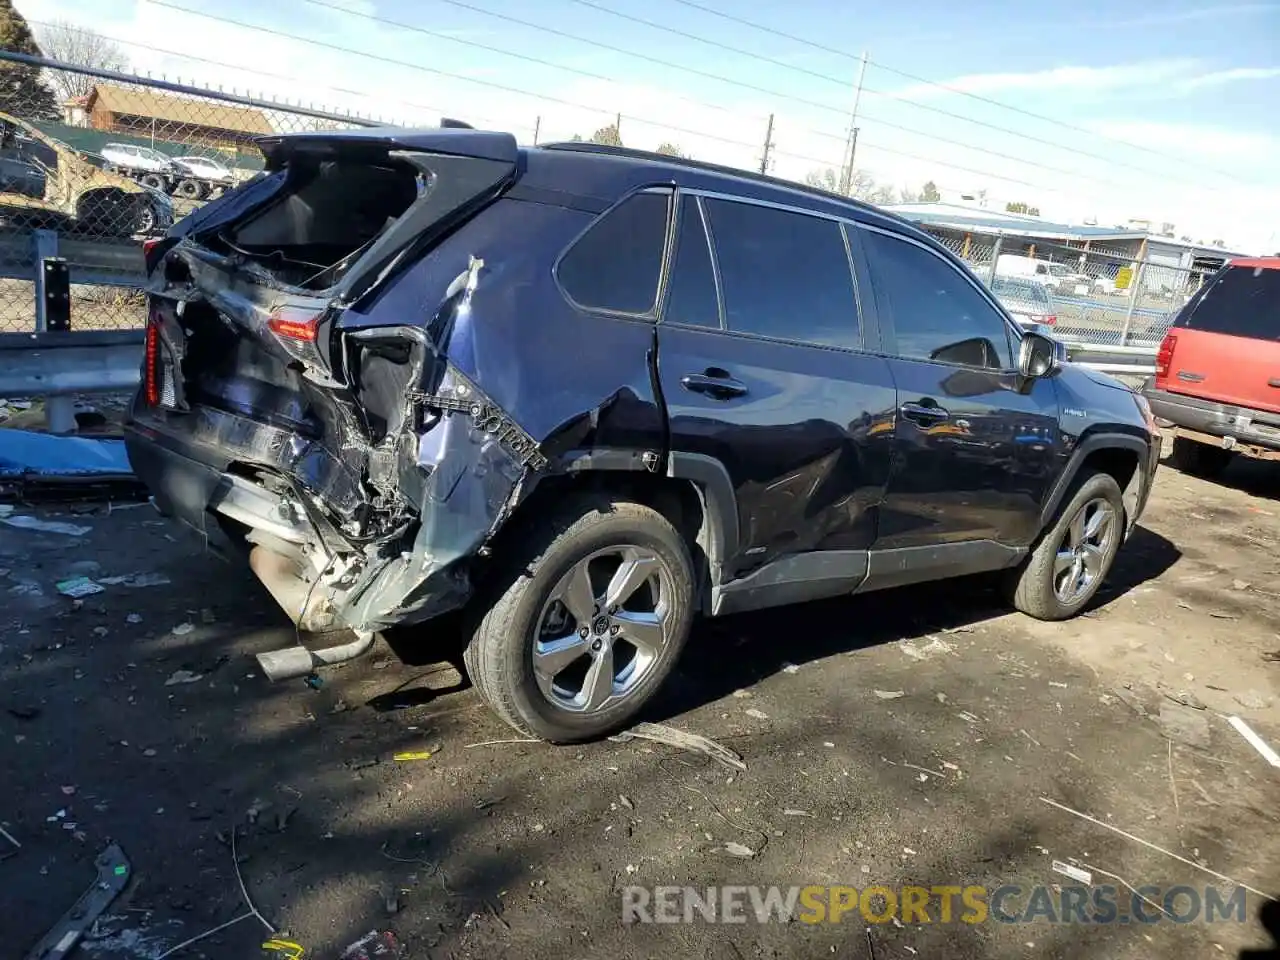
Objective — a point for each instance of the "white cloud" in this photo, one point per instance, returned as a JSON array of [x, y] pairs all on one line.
[[1061, 80], [1219, 78]]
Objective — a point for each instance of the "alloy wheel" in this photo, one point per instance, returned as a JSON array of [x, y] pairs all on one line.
[[1082, 554], [603, 629]]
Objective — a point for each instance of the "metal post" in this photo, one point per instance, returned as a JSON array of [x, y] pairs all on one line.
[[768, 145], [851, 149], [59, 412], [1136, 282], [617, 127], [995, 257], [537, 128]]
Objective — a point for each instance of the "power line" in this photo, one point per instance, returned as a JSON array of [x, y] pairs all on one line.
[[958, 143], [1037, 116], [802, 100], [569, 103], [711, 43], [445, 73], [251, 70], [772, 31], [399, 24]]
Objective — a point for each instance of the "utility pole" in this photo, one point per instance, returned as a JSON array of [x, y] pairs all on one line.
[[851, 147], [768, 146], [617, 126], [537, 128]]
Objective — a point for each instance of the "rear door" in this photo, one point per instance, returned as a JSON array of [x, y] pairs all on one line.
[[1225, 345], [975, 454], [763, 368]]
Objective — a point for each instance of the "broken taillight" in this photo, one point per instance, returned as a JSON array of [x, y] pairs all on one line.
[[294, 324], [1164, 356], [151, 359]]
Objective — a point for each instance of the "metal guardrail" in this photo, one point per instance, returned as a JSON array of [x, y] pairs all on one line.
[[61, 363], [99, 262]]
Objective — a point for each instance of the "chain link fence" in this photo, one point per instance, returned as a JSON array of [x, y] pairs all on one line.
[[89, 179], [1097, 295]]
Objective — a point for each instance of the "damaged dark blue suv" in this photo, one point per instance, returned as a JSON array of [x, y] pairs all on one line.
[[585, 395]]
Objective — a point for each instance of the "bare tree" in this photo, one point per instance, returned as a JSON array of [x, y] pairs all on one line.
[[862, 186], [75, 45], [671, 150]]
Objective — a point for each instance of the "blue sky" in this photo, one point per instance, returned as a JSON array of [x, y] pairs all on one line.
[[1191, 87]]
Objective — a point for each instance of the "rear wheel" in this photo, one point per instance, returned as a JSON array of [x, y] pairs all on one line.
[[588, 623], [1199, 459], [1073, 558], [188, 190], [152, 180]]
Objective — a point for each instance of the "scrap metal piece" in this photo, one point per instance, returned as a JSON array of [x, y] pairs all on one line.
[[113, 875]]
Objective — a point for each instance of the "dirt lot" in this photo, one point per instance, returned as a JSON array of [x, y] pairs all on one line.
[[513, 849]]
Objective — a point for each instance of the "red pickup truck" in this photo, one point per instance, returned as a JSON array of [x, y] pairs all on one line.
[[1217, 376]]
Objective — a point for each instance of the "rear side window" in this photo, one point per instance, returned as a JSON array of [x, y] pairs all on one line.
[[1242, 302], [692, 298], [784, 274], [616, 264]]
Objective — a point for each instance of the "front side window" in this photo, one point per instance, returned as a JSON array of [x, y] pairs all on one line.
[[937, 313], [616, 264], [784, 274]]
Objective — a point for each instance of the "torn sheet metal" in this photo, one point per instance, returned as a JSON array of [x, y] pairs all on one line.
[[113, 875]]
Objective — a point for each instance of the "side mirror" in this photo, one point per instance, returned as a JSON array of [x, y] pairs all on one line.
[[1039, 355]]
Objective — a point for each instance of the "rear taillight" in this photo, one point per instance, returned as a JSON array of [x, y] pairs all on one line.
[[149, 245], [1164, 356], [1051, 320], [294, 324], [151, 360]]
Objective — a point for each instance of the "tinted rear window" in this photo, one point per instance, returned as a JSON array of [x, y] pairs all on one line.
[[1241, 301]]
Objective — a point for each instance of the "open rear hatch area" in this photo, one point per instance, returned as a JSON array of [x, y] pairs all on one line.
[[357, 467]]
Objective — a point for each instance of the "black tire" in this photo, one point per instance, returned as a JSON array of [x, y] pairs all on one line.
[[153, 180], [1033, 586], [500, 652], [1199, 459], [145, 222], [189, 190]]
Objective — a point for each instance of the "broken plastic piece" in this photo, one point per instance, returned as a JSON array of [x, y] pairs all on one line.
[[113, 875]]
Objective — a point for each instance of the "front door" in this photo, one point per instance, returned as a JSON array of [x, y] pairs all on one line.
[[762, 370], [976, 445]]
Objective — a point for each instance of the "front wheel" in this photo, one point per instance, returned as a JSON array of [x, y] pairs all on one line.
[[591, 623], [1075, 555]]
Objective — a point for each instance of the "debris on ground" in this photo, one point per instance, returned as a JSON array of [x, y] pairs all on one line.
[[1251, 700], [626, 801], [1255, 741], [1184, 725], [136, 580], [755, 714], [183, 676], [739, 850], [1187, 699], [182, 629], [23, 712], [1075, 873], [78, 587], [661, 733], [890, 694], [24, 522], [61, 940], [1271, 656], [133, 618], [407, 755], [790, 668], [935, 647], [374, 945]]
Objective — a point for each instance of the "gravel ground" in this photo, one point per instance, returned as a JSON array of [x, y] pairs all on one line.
[[900, 738]]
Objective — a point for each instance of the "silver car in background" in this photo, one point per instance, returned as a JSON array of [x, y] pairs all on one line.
[[1027, 300]]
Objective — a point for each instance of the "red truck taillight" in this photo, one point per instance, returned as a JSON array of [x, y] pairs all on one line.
[[1164, 356]]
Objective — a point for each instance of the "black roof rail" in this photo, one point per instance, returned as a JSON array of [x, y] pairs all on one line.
[[584, 146], [452, 124]]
